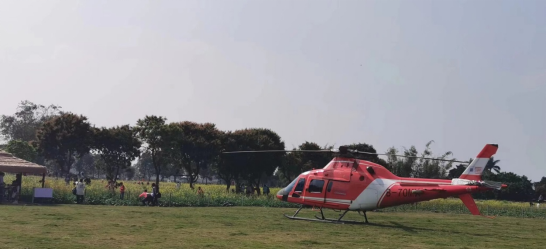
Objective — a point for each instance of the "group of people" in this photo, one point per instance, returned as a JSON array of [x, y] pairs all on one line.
[[147, 198], [112, 185], [249, 189], [79, 189], [150, 198], [12, 191]]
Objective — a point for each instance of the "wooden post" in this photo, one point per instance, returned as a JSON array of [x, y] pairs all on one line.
[[43, 180]]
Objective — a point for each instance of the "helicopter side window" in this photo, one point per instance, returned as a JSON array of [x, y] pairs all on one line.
[[315, 186], [329, 187], [301, 184]]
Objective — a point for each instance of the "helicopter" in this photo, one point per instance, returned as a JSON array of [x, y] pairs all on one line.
[[350, 184]]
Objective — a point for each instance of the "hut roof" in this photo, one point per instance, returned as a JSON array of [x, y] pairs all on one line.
[[11, 164]]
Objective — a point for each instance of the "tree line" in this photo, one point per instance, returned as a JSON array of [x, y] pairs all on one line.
[[66, 142]]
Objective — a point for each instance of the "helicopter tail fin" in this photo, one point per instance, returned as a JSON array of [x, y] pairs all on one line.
[[468, 201], [475, 169]]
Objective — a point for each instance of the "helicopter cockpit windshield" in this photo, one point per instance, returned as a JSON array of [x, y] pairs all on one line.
[[287, 189]]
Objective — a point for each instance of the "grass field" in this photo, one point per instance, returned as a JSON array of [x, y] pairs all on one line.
[[86, 226]]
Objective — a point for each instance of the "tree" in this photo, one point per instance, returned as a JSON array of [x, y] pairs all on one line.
[[170, 169], [492, 166], [152, 132], [206, 173], [363, 147], [458, 170], [519, 187], [64, 138], [85, 165], [193, 146], [430, 168], [129, 172], [402, 167], [313, 160], [252, 167], [227, 167], [290, 167], [99, 164], [295, 162], [26, 121], [423, 166], [540, 187], [118, 147], [145, 166], [22, 149]]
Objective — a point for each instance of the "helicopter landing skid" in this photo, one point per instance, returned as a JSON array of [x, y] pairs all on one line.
[[323, 219]]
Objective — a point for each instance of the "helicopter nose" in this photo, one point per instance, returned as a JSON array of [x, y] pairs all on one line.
[[282, 195]]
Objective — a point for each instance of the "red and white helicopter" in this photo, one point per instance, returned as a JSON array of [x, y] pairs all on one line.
[[350, 184]]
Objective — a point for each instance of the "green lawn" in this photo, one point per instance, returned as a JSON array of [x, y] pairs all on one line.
[[85, 226]]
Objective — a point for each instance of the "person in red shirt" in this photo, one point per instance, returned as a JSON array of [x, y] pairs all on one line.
[[121, 190], [146, 198]]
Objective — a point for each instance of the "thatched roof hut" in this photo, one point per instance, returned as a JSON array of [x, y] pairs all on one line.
[[11, 164]]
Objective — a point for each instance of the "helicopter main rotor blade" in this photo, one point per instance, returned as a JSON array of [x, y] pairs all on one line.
[[262, 151], [418, 157], [347, 150]]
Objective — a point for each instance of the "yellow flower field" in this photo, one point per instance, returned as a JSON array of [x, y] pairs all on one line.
[[216, 195]]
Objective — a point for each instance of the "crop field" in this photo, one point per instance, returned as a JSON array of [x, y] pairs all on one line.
[[86, 226], [216, 195]]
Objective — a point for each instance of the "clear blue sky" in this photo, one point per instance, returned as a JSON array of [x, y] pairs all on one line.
[[462, 73]]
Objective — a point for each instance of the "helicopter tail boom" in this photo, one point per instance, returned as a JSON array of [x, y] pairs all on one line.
[[475, 169]]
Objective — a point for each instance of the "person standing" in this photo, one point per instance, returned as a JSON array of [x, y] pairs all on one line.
[[2, 184], [266, 190], [249, 190], [80, 191], [154, 194], [16, 188], [111, 187], [121, 190]]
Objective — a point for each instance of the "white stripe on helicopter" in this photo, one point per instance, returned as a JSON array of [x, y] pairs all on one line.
[[339, 201]]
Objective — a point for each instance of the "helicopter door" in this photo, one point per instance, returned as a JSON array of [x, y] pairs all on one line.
[[336, 193], [314, 193]]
